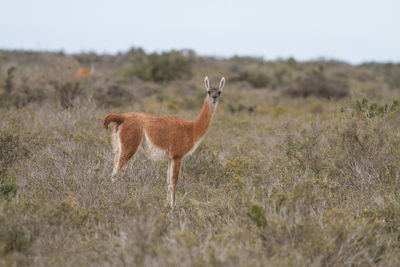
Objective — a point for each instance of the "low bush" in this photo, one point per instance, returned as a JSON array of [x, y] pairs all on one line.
[[115, 95], [240, 107], [67, 92], [159, 68], [392, 75], [318, 85], [19, 93], [8, 186], [11, 149], [256, 77], [371, 110], [15, 239], [257, 215]]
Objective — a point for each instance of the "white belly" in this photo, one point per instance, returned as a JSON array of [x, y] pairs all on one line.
[[151, 151], [194, 147]]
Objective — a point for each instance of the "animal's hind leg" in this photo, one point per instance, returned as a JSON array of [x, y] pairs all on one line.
[[125, 156], [116, 144], [129, 141]]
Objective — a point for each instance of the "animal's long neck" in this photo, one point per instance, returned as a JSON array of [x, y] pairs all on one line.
[[203, 121]]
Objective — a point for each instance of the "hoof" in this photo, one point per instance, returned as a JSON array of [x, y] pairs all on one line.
[[114, 178]]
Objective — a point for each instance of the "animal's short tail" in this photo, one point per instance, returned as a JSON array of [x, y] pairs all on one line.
[[117, 118]]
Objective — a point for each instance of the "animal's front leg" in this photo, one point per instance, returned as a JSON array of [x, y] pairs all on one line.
[[169, 178], [175, 166]]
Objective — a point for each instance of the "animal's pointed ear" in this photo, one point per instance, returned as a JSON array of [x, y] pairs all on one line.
[[222, 83], [207, 83]]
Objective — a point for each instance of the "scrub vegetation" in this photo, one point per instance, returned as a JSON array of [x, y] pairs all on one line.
[[301, 166]]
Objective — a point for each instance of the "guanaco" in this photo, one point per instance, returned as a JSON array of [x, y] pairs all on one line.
[[161, 137], [84, 72]]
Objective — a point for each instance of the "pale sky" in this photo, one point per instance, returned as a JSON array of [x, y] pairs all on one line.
[[350, 30]]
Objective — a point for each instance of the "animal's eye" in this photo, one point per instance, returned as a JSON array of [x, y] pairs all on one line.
[[219, 93], [208, 92]]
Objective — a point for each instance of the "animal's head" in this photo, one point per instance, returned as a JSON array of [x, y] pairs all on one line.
[[214, 92]]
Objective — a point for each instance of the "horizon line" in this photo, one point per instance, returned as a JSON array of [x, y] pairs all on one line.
[[216, 56]]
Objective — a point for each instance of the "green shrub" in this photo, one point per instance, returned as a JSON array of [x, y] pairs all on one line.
[[8, 186], [392, 75], [15, 239], [255, 77], [281, 77], [240, 107], [67, 92], [114, 96], [11, 150], [19, 94], [9, 81], [257, 215], [373, 109], [87, 58], [160, 68], [17, 230], [316, 84]]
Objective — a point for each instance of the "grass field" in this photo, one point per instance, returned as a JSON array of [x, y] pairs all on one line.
[[301, 166]]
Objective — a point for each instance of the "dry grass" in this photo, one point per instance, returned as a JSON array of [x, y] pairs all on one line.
[[287, 182]]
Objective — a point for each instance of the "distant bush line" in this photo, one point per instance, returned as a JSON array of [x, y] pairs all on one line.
[[33, 77]]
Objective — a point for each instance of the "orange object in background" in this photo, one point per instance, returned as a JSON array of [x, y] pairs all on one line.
[[84, 72]]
